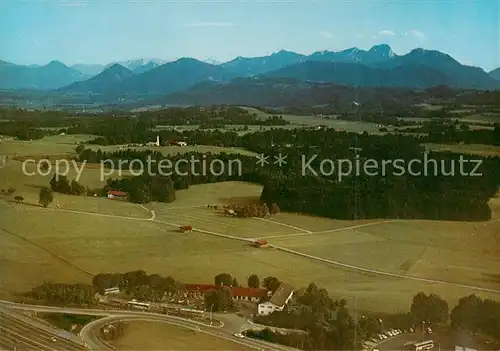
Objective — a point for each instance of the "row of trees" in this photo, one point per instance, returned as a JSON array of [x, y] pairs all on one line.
[[138, 283], [60, 184], [78, 294]]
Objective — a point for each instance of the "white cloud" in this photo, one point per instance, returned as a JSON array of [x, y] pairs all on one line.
[[326, 34], [386, 33], [209, 24], [415, 33]]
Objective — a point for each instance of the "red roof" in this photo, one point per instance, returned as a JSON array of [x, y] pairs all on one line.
[[239, 291], [117, 193], [200, 287], [249, 292], [261, 242]]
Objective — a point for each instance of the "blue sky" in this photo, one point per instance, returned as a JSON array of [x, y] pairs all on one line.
[[36, 32]]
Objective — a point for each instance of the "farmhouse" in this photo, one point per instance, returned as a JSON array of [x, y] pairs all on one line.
[[117, 195], [176, 143], [248, 294], [278, 301], [238, 293], [185, 228], [261, 243]]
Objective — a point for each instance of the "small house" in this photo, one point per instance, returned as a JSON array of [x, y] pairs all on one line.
[[117, 195], [186, 228], [261, 243]]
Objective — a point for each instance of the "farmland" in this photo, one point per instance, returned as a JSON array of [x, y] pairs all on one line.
[[151, 336], [89, 235]]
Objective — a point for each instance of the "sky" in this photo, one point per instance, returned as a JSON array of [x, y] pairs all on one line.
[[104, 31]]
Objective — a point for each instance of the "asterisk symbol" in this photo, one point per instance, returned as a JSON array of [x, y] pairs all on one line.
[[280, 160], [262, 160]]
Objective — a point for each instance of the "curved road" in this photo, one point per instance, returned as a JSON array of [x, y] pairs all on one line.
[[89, 335], [284, 249]]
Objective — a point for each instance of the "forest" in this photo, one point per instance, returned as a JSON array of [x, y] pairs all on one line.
[[438, 192]]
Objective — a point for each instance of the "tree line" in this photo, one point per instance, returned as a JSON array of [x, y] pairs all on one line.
[[442, 192]]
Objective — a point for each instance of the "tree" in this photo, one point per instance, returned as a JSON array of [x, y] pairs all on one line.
[[223, 279], [79, 149], [253, 281], [468, 313], [45, 197], [271, 283], [219, 300], [235, 283], [275, 209], [76, 188], [19, 199], [429, 308]]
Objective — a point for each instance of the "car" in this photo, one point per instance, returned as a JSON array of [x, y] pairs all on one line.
[[412, 330], [239, 335], [53, 339]]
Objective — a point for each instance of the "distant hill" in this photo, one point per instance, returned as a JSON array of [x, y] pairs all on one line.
[[411, 76], [495, 73], [249, 66], [164, 79], [139, 66], [458, 75], [88, 69], [277, 92], [51, 76], [379, 66], [104, 83]]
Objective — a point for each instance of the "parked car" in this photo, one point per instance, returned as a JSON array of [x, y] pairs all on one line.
[[239, 335]]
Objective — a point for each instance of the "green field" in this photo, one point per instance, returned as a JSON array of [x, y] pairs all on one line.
[[471, 149], [152, 336], [89, 235]]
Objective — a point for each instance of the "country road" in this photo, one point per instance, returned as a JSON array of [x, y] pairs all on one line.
[[152, 218], [89, 332]]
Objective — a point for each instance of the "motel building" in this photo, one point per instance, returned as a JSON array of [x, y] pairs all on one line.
[[117, 195], [278, 301], [238, 293]]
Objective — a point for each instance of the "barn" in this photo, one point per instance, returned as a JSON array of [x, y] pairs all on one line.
[[261, 243], [117, 195]]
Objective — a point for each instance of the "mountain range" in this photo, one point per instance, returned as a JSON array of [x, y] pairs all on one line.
[[379, 66]]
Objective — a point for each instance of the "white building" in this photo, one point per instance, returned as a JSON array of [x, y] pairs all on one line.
[[278, 301], [154, 143], [114, 290]]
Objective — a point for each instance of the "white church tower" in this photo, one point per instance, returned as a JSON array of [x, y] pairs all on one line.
[[157, 140]]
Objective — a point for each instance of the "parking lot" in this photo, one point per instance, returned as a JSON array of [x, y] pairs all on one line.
[[444, 339]]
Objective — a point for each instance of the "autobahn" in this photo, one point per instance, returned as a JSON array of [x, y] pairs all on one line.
[[17, 334], [89, 332]]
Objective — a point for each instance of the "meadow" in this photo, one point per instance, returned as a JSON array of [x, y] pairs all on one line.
[[178, 338], [88, 235]]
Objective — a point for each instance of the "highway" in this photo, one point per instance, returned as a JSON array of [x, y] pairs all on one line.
[[34, 338], [17, 334]]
